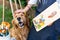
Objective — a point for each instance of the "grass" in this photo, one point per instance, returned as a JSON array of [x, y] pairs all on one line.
[[8, 14]]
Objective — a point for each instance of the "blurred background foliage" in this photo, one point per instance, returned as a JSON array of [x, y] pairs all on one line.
[[8, 14], [23, 2]]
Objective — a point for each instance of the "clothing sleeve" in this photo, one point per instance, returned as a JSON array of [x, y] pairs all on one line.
[[32, 2]]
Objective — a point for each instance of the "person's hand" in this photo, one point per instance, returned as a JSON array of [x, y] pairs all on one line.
[[50, 24], [17, 13], [22, 10]]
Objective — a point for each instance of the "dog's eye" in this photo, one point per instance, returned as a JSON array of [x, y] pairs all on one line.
[[21, 14]]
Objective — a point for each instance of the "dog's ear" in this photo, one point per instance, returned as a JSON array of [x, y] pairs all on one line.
[[27, 20], [15, 23]]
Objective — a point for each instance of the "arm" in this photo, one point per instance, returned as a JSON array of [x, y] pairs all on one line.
[[29, 5]]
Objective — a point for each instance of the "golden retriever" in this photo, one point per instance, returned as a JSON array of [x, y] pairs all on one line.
[[20, 29]]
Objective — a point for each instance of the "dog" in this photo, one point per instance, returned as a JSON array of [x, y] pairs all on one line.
[[20, 29]]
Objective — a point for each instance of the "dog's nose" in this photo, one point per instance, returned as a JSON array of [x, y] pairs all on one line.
[[18, 18]]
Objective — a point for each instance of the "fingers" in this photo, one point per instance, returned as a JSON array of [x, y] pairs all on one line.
[[18, 13], [50, 24]]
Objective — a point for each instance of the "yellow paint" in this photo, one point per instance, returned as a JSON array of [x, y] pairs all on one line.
[[42, 24]]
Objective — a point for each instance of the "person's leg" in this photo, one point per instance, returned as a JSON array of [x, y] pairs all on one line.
[[47, 33], [57, 27], [37, 12]]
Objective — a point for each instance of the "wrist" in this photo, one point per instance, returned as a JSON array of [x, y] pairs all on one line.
[[27, 8]]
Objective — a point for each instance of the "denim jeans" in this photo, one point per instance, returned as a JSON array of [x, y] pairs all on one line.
[[49, 32]]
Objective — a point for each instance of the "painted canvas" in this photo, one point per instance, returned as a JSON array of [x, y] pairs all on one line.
[[46, 17]]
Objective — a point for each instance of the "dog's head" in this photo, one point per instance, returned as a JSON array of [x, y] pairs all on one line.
[[20, 26], [20, 20]]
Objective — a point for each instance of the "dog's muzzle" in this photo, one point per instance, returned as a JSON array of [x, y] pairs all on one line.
[[20, 21]]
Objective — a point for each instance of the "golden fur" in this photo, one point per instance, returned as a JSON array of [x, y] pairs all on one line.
[[17, 32]]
